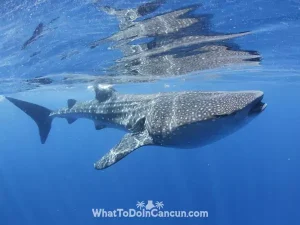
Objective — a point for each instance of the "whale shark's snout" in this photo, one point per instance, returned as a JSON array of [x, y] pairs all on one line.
[[230, 103]]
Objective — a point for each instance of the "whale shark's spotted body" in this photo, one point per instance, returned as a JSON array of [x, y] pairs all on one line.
[[177, 119]]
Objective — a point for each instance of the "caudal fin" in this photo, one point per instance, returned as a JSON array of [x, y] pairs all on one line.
[[38, 113]]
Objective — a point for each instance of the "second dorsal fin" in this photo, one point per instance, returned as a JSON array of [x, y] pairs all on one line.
[[71, 120], [99, 126]]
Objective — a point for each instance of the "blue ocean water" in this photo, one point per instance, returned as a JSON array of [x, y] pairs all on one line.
[[250, 177]]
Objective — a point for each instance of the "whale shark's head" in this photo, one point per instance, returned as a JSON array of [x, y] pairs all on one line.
[[200, 118], [240, 106], [247, 103], [229, 112]]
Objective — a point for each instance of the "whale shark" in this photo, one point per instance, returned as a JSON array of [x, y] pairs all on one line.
[[170, 22], [172, 43], [187, 119], [184, 63]]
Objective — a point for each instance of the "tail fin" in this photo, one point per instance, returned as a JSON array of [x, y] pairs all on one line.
[[38, 113]]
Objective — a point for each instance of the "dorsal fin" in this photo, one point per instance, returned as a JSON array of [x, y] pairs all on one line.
[[71, 103], [71, 120], [104, 92]]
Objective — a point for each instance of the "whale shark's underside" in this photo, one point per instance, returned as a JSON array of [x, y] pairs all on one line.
[[176, 119]]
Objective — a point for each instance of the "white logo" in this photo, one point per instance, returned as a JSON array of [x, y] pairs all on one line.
[[140, 205], [150, 209], [150, 205]]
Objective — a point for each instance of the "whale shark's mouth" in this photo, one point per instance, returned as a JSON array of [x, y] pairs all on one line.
[[258, 107]]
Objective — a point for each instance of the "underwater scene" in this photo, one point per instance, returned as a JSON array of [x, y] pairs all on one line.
[[149, 111]]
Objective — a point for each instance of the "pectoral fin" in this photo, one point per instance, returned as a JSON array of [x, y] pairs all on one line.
[[128, 144], [139, 125], [71, 103]]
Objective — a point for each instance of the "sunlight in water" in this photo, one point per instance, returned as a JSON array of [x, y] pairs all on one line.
[[101, 86]]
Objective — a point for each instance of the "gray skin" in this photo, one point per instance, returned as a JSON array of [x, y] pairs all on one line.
[[159, 25], [206, 57], [180, 119], [177, 119]]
